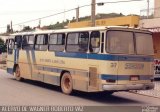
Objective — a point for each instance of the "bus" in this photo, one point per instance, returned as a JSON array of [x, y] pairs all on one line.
[[92, 59]]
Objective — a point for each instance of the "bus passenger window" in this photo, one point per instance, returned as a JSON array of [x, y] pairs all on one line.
[[10, 46], [18, 41], [28, 42], [56, 42], [41, 42], [77, 42], [95, 42], [83, 41]]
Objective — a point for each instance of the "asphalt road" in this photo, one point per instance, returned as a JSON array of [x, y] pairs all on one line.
[[13, 92]]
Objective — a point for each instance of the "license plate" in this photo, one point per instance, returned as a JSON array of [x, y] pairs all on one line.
[[134, 78]]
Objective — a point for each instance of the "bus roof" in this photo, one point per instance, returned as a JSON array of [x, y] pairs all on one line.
[[82, 29]]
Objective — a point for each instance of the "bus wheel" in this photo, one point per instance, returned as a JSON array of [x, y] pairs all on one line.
[[66, 83], [17, 74]]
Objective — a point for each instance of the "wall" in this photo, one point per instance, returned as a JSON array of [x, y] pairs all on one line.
[[150, 23], [130, 21], [157, 8]]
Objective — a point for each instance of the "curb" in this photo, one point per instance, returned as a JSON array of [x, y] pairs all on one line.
[[143, 94]]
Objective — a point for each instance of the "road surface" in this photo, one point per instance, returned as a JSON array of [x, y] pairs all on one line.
[[13, 92]]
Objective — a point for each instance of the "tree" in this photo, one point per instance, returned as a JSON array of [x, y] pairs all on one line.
[[2, 46], [1, 41], [27, 28]]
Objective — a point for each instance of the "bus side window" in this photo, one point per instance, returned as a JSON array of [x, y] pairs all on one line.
[[18, 41], [77, 42], [28, 42], [83, 41], [41, 42], [57, 42], [10, 46], [94, 42]]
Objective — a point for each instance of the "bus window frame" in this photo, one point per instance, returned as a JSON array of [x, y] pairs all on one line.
[[64, 45], [30, 48], [102, 42], [10, 50], [16, 44], [107, 47], [78, 41], [90, 46], [45, 42]]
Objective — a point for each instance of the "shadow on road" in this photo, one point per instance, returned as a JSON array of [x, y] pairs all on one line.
[[104, 98], [97, 96]]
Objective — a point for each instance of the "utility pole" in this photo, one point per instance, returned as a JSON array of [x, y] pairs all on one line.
[[77, 14], [39, 24], [11, 29], [93, 13], [147, 8]]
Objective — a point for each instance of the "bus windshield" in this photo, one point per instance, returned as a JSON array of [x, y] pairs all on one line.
[[122, 42]]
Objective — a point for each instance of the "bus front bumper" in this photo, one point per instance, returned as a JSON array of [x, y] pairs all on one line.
[[128, 87]]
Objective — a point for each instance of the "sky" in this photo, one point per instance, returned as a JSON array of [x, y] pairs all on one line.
[[19, 11]]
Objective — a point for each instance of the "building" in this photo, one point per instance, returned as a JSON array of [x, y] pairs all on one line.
[[3, 37], [131, 21], [156, 6], [151, 20]]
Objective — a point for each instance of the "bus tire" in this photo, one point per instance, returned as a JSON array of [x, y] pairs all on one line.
[[66, 83], [17, 74]]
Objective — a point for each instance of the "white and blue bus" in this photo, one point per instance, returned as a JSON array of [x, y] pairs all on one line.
[[92, 59]]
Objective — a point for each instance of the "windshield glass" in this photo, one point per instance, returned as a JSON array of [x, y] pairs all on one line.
[[144, 44], [120, 42]]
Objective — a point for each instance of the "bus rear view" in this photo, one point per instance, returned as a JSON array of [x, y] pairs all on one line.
[[132, 60]]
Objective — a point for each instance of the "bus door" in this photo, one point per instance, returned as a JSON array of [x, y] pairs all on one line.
[[10, 55], [17, 48], [25, 58], [93, 69], [38, 56]]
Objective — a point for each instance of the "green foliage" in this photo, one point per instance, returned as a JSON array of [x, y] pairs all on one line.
[[62, 25], [3, 47], [59, 25], [1, 41], [27, 28]]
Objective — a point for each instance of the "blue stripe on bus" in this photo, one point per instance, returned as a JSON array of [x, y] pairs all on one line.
[[103, 76], [33, 57], [10, 70], [124, 77], [71, 55], [15, 52], [50, 69], [16, 56], [109, 57], [145, 77]]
